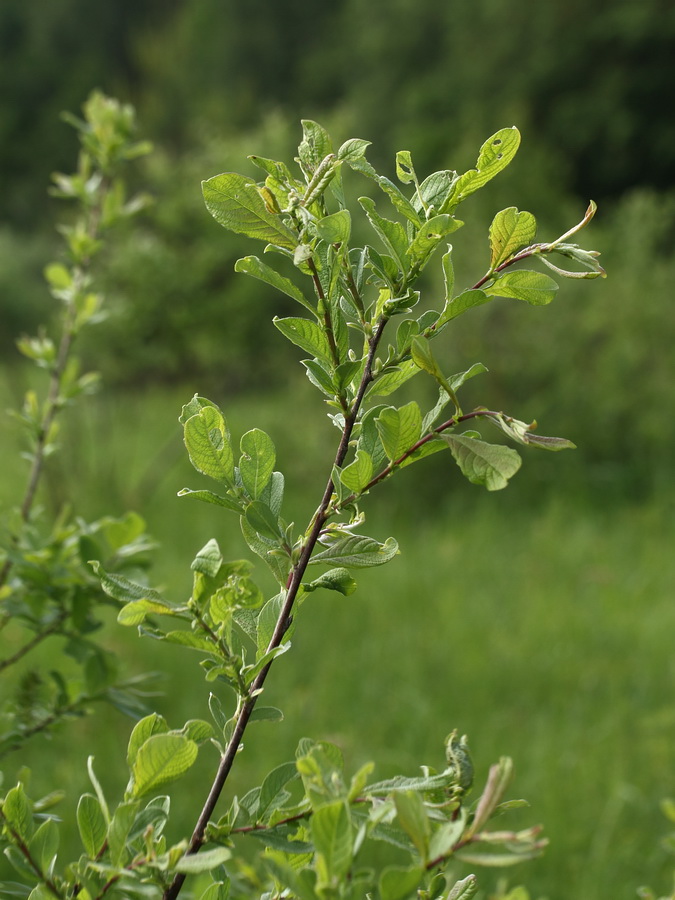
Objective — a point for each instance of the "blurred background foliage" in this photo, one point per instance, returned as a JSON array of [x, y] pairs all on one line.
[[556, 635]]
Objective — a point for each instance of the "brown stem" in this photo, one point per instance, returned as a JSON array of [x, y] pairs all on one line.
[[294, 580]]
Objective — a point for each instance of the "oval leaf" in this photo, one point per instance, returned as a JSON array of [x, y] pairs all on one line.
[[161, 759], [235, 203], [488, 464], [524, 284], [208, 444], [510, 230], [257, 461]]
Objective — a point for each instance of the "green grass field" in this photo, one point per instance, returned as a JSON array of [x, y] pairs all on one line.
[[541, 626]]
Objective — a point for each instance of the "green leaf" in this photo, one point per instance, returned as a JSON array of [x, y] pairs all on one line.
[[91, 824], [446, 836], [118, 832], [392, 379], [193, 407], [277, 564], [160, 760], [251, 265], [260, 516], [204, 861], [217, 891], [405, 171], [412, 817], [257, 461], [235, 203], [460, 304], [44, 845], [510, 231], [331, 832], [336, 228], [433, 445], [137, 611], [16, 809], [209, 497], [434, 190], [495, 154], [319, 377], [307, 335], [190, 640], [209, 559], [266, 714], [208, 444], [353, 149], [392, 234], [521, 433], [120, 588], [357, 551], [430, 235], [267, 621], [488, 464], [523, 284], [144, 729], [273, 786], [357, 474], [333, 580], [398, 882], [315, 145], [399, 429]]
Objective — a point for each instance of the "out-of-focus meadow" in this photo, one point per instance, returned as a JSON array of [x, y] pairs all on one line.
[[538, 620]]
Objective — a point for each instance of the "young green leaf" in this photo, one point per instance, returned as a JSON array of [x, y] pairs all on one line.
[[495, 154], [523, 284], [307, 335], [260, 516], [429, 237], [315, 146], [357, 551], [235, 203], [357, 474], [392, 234], [510, 231], [17, 812], [460, 304], [257, 461], [391, 379], [331, 832], [144, 729], [488, 464], [336, 228], [205, 861], [333, 580], [353, 149], [160, 760], [399, 429], [210, 497], [91, 824], [412, 817], [207, 440], [522, 433]]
